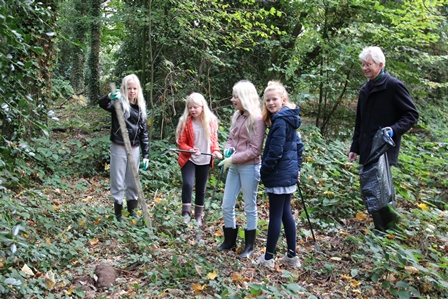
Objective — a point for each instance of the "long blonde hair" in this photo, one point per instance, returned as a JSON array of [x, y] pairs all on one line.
[[278, 87], [207, 116], [124, 96], [246, 92]]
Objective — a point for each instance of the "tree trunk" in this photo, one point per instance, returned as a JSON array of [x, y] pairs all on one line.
[[94, 60]]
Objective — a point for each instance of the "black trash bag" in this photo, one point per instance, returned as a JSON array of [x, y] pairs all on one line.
[[377, 188]]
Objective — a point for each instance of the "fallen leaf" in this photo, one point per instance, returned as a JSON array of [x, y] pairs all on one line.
[[335, 258], [236, 276], [212, 275], [411, 270], [423, 206], [197, 287], [49, 280], [27, 270], [70, 290], [361, 216], [198, 269], [94, 241]]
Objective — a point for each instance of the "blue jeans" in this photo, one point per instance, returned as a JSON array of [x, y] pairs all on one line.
[[243, 178]]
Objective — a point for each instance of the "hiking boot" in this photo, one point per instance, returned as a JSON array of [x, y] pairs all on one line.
[[267, 263], [292, 262]]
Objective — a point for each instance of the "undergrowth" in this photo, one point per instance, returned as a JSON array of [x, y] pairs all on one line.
[[60, 224]]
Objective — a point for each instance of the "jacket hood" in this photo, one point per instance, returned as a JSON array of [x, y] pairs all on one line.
[[291, 116]]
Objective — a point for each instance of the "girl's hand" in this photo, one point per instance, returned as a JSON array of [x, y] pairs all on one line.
[[195, 151], [217, 155], [298, 177]]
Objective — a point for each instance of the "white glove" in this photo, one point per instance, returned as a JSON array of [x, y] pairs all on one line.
[[226, 163]]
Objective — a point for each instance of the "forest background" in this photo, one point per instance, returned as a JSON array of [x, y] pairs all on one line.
[[56, 222]]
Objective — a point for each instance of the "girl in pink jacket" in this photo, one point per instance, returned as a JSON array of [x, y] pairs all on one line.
[[246, 137]]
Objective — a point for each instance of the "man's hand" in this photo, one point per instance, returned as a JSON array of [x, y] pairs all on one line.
[[352, 156], [389, 131]]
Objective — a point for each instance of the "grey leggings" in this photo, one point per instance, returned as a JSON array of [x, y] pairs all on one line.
[[122, 181]]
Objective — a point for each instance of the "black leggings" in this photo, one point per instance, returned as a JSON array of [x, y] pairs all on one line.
[[190, 171], [280, 211]]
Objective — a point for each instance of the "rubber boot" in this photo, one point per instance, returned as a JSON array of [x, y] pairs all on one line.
[[118, 208], [186, 207], [132, 204], [198, 214], [249, 236], [378, 221], [389, 217], [229, 238]]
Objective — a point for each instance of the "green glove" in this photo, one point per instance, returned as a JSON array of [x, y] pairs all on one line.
[[115, 96], [145, 163], [226, 163], [228, 152]]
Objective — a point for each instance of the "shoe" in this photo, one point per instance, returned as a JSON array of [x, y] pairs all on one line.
[[267, 263], [292, 262]]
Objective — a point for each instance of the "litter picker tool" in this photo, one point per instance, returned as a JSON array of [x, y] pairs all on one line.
[[171, 149], [127, 144], [308, 218], [221, 172], [227, 153]]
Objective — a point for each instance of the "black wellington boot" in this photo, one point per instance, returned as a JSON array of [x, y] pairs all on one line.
[[249, 236], [378, 221], [229, 238], [389, 217], [118, 208], [132, 205]]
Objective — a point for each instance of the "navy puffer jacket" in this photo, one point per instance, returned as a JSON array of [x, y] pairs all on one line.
[[282, 155]]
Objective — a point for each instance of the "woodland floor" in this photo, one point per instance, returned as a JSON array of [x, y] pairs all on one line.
[[315, 277], [326, 264]]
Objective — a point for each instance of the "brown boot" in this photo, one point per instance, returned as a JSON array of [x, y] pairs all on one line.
[[186, 207], [198, 214]]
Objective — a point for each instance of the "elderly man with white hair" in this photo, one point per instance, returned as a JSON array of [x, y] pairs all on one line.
[[383, 102]]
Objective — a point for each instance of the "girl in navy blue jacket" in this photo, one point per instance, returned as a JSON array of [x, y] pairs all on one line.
[[280, 170]]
